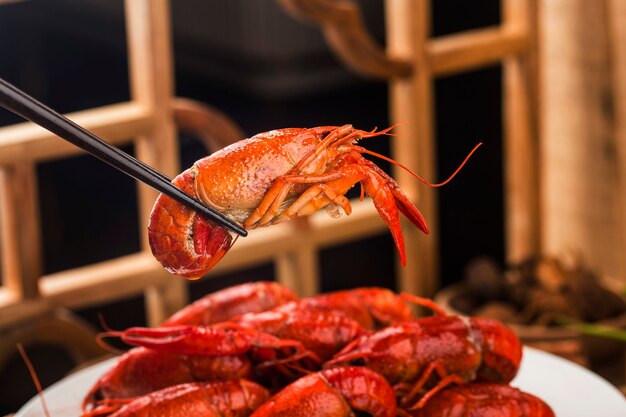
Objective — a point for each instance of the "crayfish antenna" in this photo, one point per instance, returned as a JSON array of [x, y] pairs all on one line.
[[106, 346], [33, 375], [422, 180], [103, 323], [108, 332], [376, 132]]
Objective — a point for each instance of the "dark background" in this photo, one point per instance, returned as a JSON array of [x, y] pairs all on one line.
[[265, 70]]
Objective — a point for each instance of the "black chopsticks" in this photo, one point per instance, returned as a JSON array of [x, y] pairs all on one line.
[[22, 104]]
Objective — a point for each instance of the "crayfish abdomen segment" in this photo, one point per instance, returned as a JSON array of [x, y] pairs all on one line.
[[501, 350], [184, 242], [484, 399], [338, 392], [231, 302]]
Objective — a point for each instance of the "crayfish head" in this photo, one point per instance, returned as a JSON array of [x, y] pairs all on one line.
[[501, 350]]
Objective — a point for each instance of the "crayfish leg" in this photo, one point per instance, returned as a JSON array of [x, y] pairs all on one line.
[[444, 381], [326, 189]]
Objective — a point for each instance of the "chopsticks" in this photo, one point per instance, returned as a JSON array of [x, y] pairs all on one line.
[[20, 103]]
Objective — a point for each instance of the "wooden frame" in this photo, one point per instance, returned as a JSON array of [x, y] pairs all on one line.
[[293, 247]]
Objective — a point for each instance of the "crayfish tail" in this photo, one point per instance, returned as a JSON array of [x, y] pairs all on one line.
[[363, 390], [183, 241]]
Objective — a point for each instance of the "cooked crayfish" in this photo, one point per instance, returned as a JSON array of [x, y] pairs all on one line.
[[337, 392], [484, 399], [141, 371], [233, 301], [271, 356], [203, 399], [319, 331], [267, 179], [412, 355]]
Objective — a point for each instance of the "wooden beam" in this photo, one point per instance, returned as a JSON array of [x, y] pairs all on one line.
[[616, 12], [411, 100], [85, 286], [298, 268], [116, 123], [13, 311], [152, 79], [473, 49], [129, 275], [580, 191], [21, 234], [521, 134], [151, 75], [103, 281], [151, 82]]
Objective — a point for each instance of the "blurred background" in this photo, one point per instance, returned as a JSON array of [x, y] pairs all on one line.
[[540, 84]]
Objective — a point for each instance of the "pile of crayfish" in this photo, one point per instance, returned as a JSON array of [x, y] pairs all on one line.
[[258, 350]]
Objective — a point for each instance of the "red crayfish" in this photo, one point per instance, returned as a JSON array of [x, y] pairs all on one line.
[[141, 371], [207, 399], [267, 179], [422, 356], [233, 301], [337, 392], [372, 307]]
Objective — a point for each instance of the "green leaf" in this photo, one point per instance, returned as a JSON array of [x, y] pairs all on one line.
[[599, 330]]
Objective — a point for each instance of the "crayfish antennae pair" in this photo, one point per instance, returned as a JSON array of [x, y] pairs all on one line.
[[422, 180]]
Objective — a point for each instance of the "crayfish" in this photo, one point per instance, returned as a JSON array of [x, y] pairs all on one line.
[[237, 398], [395, 365], [233, 301], [270, 178]]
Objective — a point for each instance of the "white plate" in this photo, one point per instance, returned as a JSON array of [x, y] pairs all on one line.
[[569, 389]]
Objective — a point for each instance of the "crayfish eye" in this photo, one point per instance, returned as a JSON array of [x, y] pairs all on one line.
[[98, 395], [357, 362]]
